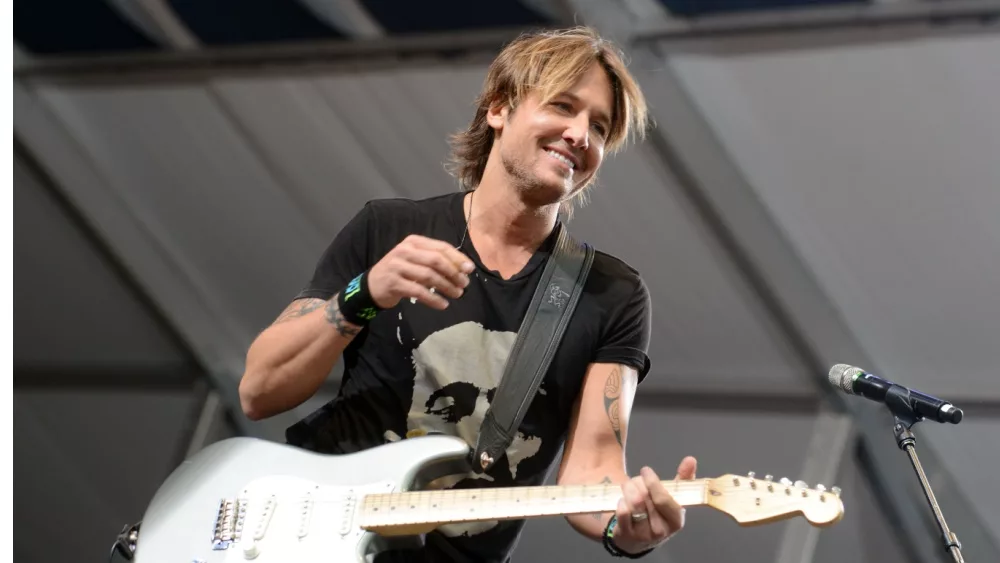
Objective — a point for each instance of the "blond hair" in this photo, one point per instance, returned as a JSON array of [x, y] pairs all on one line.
[[549, 63]]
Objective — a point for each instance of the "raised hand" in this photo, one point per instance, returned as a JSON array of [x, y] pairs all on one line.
[[414, 267]]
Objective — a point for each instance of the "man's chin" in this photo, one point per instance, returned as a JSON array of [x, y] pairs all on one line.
[[542, 194]]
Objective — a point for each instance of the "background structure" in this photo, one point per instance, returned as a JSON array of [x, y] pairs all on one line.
[[822, 186]]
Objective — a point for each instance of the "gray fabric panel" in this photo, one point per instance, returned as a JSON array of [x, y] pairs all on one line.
[[85, 464], [880, 163], [72, 308]]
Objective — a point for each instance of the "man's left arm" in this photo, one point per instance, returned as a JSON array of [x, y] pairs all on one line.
[[595, 453]]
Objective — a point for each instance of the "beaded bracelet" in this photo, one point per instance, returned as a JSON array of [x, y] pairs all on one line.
[[609, 543]]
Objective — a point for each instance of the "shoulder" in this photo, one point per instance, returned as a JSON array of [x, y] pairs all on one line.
[[400, 208], [616, 278]]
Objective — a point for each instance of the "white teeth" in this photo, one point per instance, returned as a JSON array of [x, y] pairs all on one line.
[[562, 158]]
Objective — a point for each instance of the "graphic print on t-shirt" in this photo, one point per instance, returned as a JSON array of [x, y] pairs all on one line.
[[457, 370]]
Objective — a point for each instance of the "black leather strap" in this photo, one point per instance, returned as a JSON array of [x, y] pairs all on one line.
[[538, 338]]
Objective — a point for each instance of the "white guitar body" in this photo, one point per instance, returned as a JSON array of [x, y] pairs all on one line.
[[245, 499]]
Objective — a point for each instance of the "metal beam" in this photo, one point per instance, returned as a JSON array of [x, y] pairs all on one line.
[[212, 414], [788, 290], [215, 61], [153, 264], [158, 20], [880, 15], [832, 433]]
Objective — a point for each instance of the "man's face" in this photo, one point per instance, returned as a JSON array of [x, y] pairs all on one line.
[[553, 150]]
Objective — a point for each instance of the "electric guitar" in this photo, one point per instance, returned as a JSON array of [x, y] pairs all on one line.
[[245, 499]]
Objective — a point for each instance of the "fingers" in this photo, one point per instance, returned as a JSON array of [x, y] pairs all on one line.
[[427, 270], [666, 505], [635, 500], [429, 277], [687, 468], [460, 261], [626, 528], [422, 294], [444, 261]]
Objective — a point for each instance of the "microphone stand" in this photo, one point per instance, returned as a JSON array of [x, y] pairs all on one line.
[[905, 417]]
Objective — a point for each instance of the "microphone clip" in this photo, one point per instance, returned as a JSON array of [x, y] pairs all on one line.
[[897, 398]]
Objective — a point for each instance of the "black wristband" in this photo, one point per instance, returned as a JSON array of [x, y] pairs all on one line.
[[356, 303], [609, 542]]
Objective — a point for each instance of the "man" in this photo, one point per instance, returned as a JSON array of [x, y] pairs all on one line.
[[424, 298]]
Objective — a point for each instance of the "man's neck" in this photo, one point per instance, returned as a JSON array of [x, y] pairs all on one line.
[[502, 219]]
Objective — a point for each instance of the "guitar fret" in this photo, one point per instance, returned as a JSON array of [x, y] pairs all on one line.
[[463, 505]]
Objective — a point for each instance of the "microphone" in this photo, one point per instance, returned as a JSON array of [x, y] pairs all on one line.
[[855, 381]]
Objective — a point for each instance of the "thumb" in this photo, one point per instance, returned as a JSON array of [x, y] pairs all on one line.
[[688, 468]]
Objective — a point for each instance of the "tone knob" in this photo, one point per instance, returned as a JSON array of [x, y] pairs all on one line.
[[251, 551]]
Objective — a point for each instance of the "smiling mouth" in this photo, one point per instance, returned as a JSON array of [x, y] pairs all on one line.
[[569, 163]]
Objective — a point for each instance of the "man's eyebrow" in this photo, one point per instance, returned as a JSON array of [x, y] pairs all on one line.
[[601, 116]]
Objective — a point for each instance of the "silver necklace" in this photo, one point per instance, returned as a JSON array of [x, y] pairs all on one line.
[[468, 221]]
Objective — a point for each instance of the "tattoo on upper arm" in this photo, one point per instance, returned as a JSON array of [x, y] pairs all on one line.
[[612, 400], [299, 308], [336, 318]]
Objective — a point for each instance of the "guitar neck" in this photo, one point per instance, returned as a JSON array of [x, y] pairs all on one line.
[[422, 511]]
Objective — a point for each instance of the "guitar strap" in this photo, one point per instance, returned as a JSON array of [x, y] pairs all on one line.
[[538, 338]]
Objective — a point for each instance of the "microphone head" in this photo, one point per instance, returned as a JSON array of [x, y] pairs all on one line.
[[842, 376]]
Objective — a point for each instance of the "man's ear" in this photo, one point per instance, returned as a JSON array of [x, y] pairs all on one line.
[[496, 116]]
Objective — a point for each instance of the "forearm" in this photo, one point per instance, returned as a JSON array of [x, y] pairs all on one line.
[[593, 525], [595, 449], [288, 362]]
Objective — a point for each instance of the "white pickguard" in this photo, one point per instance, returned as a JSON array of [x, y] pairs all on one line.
[[288, 518]]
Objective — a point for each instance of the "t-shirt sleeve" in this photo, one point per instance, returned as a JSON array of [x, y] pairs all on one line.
[[626, 340], [348, 255]]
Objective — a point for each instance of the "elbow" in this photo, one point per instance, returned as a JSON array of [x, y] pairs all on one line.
[[252, 397]]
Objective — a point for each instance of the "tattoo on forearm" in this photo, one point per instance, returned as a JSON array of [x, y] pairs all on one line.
[[298, 309], [598, 515], [612, 396], [336, 318]]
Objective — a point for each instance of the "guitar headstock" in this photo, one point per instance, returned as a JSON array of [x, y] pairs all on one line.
[[752, 501]]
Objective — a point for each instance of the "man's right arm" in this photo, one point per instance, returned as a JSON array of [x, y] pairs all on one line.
[[288, 362]]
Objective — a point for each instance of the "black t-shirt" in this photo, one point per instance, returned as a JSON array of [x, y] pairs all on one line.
[[415, 370]]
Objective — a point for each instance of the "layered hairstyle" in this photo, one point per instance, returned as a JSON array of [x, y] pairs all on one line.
[[547, 63]]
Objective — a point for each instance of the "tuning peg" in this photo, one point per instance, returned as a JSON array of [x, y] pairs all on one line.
[[751, 474], [835, 490], [769, 478], [821, 488], [802, 484]]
